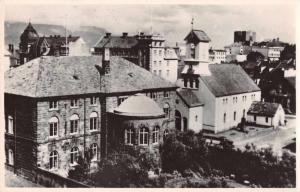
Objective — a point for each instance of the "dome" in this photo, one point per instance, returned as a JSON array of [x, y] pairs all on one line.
[[139, 106]]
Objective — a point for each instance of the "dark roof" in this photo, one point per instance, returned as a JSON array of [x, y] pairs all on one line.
[[228, 79], [190, 97], [57, 41], [272, 43], [263, 108], [199, 34], [29, 33], [118, 42], [49, 76]]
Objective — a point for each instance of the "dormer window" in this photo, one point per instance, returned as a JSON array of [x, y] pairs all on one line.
[[74, 103]]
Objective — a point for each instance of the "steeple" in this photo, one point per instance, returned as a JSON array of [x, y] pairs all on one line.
[[29, 33]]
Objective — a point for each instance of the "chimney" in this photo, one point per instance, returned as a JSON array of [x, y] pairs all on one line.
[[107, 35], [124, 34], [106, 61], [11, 48]]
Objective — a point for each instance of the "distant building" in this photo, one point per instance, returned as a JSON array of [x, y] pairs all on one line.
[[245, 37], [226, 97], [217, 56], [237, 52], [58, 108], [32, 45], [270, 49], [145, 50], [267, 114]]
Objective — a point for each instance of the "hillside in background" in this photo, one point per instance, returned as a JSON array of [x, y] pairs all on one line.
[[13, 31]]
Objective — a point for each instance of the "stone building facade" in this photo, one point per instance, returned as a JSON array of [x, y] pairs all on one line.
[[59, 108]]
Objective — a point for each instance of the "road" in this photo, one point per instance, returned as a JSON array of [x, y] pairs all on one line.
[[275, 139]]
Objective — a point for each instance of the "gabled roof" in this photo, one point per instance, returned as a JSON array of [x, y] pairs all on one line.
[[263, 108], [190, 97], [50, 76], [199, 34], [117, 42], [228, 79]]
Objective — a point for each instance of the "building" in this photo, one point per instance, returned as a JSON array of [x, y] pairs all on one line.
[[245, 37], [217, 56], [57, 108], [32, 45], [145, 50], [225, 90], [237, 51], [267, 114], [270, 49]]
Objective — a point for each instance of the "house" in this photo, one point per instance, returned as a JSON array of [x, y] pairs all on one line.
[[57, 108], [225, 90], [245, 37], [267, 114], [237, 51], [145, 50], [32, 45]]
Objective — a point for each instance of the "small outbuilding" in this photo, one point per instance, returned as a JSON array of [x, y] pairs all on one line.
[[265, 113]]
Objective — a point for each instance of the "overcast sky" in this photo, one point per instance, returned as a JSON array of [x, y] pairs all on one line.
[[218, 21]]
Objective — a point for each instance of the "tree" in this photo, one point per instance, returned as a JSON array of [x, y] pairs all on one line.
[[79, 171], [289, 52], [255, 56]]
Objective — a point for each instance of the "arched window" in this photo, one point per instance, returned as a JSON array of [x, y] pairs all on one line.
[[53, 127], [53, 159], [74, 155], [167, 110], [234, 115], [143, 136], [93, 121], [74, 120], [224, 118], [10, 124], [10, 157], [94, 149], [155, 135], [129, 136]]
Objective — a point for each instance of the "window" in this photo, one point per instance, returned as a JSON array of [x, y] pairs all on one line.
[[234, 115], [167, 109], [166, 94], [53, 127], [74, 103], [168, 62], [94, 149], [191, 83], [159, 72], [267, 119], [155, 52], [166, 133], [159, 63], [224, 118], [154, 71], [53, 105], [153, 95], [244, 111], [93, 101], [74, 155], [160, 52], [168, 73], [10, 124], [143, 134], [129, 136], [254, 117], [155, 135], [121, 99], [185, 82], [10, 157], [197, 83], [74, 119], [196, 118], [53, 159], [154, 62], [93, 121]]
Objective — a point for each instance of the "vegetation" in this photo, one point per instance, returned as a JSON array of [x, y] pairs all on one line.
[[289, 52], [255, 56]]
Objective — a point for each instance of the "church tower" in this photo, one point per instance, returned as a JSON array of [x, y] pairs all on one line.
[[27, 39]]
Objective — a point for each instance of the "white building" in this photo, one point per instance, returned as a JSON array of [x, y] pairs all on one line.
[[225, 90], [217, 56], [267, 114], [237, 52]]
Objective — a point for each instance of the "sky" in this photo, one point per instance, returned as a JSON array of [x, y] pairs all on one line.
[[174, 21]]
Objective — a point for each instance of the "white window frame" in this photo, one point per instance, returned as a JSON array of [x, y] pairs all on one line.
[[144, 136], [53, 164], [74, 103], [129, 136], [74, 154], [94, 150], [53, 127], [53, 105], [74, 120], [94, 121], [10, 157], [155, 135], [93, 101], [10, 124]]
